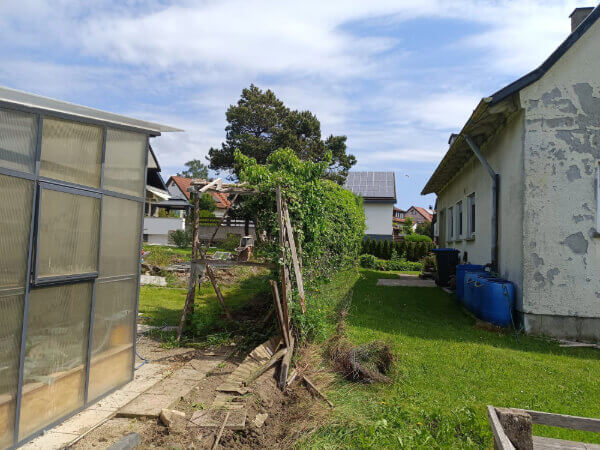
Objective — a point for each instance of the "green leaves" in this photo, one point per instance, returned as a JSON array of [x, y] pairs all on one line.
[[329, 220], [260, 124]]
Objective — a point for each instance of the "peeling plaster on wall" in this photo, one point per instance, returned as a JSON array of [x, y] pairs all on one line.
[[539, 278], [577, 243], [551, 274], [561, 152], [573, 173]]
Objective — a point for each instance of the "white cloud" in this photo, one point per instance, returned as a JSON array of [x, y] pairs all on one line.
[[184, 62]]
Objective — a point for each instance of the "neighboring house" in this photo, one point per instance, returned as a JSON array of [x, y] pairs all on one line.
[[157, 226], [398, 215], [178, 188], [419, 215], [519, 187], [378, 190]]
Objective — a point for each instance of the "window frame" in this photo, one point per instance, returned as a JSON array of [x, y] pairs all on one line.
[[459, 219], [36, 280], [471, 212], [450, 223]]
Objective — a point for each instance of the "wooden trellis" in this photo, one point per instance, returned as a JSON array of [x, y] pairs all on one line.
[[201, 265]]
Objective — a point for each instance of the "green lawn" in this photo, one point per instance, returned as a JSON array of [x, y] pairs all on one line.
[[447, 372], [163, 306]]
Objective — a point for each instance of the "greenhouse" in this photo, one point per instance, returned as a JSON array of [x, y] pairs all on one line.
[[72, 189]]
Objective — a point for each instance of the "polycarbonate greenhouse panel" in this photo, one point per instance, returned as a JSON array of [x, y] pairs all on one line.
[[11, 322], [18, 138], [71, 152], [69, 226], [124, 162], [121, 222], [55, 355], [16, 198], [112, 341]]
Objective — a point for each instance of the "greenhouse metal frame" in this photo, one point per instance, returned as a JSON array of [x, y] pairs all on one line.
[[69, 283]]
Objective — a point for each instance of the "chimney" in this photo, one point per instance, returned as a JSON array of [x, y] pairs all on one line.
[[578, 16]]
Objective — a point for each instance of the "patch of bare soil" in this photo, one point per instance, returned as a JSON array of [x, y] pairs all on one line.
[[291, 414]]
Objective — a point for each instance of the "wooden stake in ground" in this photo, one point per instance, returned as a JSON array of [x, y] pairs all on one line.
[[285, 364], [191, 295], [285, 285], [213, 280], [295, 262], [283, 326]]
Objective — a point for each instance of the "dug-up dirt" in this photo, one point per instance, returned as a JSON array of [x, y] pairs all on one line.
[[273, 419]]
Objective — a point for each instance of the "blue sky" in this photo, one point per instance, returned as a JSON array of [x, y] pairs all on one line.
[[397, 77]]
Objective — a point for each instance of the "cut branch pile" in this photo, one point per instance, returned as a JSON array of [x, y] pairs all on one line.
[[367, 363]]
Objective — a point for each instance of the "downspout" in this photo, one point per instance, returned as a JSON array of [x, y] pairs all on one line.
[[495, 192]]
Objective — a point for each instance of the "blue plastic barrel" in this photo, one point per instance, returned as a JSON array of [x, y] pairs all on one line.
[[469, 288], [479, 287], [498, 302], [460, 277]]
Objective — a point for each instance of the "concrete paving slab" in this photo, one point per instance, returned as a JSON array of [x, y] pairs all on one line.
[[165, 393], [83, 421], [50, 441], [406, 281], [147, 405]]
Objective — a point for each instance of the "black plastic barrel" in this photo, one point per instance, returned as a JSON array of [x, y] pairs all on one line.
[[447, 260]]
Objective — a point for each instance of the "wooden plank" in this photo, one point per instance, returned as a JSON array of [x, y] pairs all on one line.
[[282, 244], [213, 280], [216, 263], [500, 439], [191, 295], [212, 238], [544, 443], [285, 364], [280, 317], [316, 390], [218, 438], [564, 421], [276, 357], [295, 263]]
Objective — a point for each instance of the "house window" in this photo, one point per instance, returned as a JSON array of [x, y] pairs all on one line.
[[450, 224], [459, 219], [471, 214]]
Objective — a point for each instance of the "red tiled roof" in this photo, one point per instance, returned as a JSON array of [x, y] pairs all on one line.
[[184, 183], [398, 219], [398, 209], [426, 214]]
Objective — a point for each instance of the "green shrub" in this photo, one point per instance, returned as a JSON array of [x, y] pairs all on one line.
[[181, 238], [231, 242], [329, 219], [417, 238], [367, 261]]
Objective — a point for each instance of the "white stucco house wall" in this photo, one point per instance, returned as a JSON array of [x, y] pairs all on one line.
[[539, 139], [378, 190]]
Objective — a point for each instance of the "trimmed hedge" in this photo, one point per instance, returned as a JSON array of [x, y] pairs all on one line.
[[371, 262], [412, 251], [417, 238]]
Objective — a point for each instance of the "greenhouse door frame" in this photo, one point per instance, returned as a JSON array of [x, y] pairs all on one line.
[[34, 282]]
